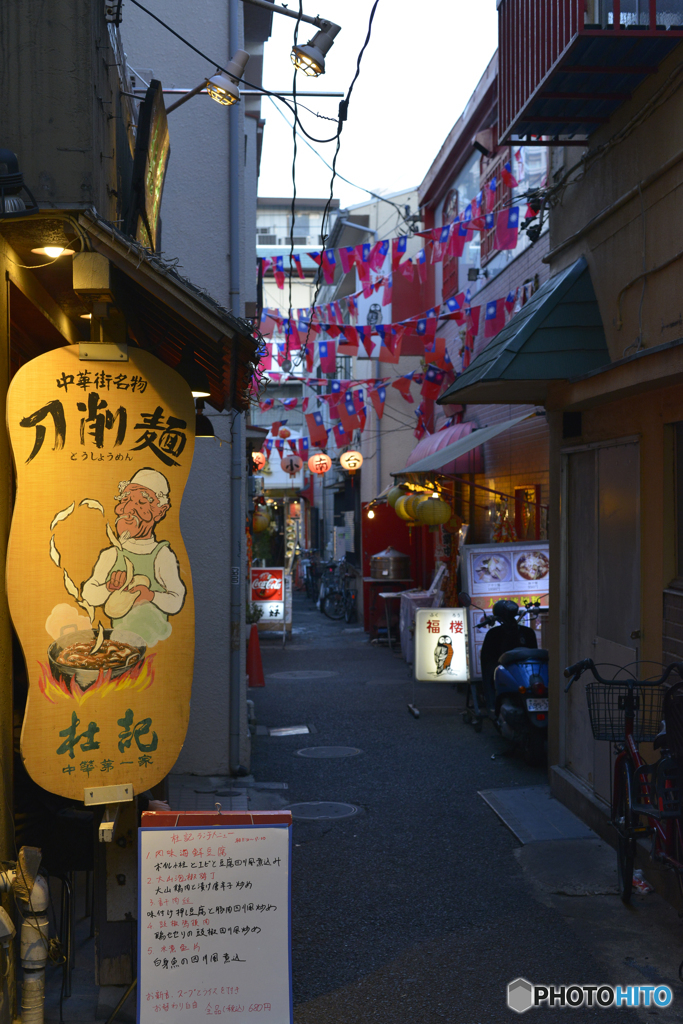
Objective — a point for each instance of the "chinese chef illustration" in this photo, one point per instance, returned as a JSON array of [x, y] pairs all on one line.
[[137, 582], [443, 654]]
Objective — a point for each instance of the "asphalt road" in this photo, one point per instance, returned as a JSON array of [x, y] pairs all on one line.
[[423, 907]]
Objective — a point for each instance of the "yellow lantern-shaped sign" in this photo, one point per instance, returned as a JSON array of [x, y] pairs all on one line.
[[351, 461], [401, 509], [319, 463], [260, 520], [259, 460], [394, 494], [433, 511]]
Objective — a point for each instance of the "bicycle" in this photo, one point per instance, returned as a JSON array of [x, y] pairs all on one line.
[[627, 712]]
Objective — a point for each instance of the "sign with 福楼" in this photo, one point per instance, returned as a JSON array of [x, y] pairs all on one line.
[[214, 917], [441, 645], [98, 578]]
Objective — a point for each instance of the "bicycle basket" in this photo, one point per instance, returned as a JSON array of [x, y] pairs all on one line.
[[673, 718], [606, 707]]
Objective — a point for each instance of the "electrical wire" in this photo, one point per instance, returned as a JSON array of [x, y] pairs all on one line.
[[293, 206], [219, 67]]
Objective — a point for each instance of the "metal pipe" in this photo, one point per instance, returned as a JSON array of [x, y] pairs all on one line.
[[273, 8], [358, 227], [236, 480], [188, 96]]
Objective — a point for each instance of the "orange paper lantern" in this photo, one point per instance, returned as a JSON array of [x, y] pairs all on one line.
[[319, 463], [291, 464], [284, 432], [259, 460]]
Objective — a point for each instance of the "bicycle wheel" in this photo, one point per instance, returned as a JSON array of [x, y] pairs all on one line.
[[334, 605], [623, 820]]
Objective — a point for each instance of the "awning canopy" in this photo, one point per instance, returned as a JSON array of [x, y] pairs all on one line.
[[557, 335], [471, 462], [442, 458]]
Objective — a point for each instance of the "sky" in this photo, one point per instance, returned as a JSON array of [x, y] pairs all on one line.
[[423, 61]]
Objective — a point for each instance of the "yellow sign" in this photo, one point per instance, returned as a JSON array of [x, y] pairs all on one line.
[[98, 577]]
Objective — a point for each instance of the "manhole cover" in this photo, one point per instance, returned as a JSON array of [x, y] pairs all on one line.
[[329, 752], [322, 810], [302, 674]]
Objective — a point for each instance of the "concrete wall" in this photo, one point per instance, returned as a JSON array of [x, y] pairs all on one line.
[[60, 101]]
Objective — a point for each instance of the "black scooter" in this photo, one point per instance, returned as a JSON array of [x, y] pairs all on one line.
[[514, 686]]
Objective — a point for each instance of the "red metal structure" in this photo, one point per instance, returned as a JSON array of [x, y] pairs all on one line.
[[567, 65]]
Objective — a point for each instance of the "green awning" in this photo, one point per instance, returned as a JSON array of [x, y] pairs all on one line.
[[557, 335]]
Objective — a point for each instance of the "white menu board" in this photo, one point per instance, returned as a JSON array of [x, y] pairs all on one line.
[[496, 572], [214, 924], [440, 645]]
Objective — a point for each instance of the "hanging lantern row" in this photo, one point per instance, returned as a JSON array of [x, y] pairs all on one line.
[[418, 509], [291, 464]]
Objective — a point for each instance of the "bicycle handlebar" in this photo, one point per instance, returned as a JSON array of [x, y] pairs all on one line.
[[576, 671]]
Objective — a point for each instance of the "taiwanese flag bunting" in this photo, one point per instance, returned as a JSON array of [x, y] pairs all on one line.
[[303, 448], [289, 403], [292, 444], [340, 436], [398, 249], [459, 236], [508, 177], [433, 379], [299, 268], [510, 301], [493, 185], [348, 413], [305, 404], [378, 397], [358, 402], [347, 258], [329, 265], [266, 262], [309, 358], [266, 404], [279, 272], [280, 447], [426, 327], [352, 307], [455, 302], [438, 354], [422, 266], [365, 334], [332, 330], [327, 354], [315, 256], [339, 316], [316, 429], [378, 255], [349, 345], [439, 247], [268, 445], [507, 228], [402, 384], [494, 318], [390, 349], [386, 294], [407, 268]]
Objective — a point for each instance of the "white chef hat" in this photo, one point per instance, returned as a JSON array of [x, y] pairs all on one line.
[[154, 481]]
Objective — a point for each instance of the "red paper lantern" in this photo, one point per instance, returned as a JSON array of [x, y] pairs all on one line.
[[319, 463], [285, 432]]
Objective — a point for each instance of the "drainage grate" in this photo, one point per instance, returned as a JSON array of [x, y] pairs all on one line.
[[322, 811], [302, 674], [329, 752], [290, 730]]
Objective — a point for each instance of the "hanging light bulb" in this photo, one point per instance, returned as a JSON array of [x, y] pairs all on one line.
[[53, 251], [223, 87], [310, 58]]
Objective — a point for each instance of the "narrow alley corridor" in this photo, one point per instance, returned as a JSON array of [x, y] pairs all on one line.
[[423, 906]]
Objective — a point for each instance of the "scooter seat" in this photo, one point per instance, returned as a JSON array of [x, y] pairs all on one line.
[[518, 654]]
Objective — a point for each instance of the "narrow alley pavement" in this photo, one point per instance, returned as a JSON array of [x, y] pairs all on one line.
[[424, 906]]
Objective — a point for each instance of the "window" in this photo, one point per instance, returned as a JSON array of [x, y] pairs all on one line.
[[501, 199]]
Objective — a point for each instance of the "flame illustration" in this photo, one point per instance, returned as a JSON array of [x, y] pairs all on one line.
[[137, 679]]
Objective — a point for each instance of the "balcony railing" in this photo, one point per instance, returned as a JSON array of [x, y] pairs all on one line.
[[567, 65]]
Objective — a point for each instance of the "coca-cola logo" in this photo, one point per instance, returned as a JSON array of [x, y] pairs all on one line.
[[266, 587]]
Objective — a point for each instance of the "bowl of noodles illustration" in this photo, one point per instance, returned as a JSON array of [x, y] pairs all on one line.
[[492, 568], [85, 655]]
